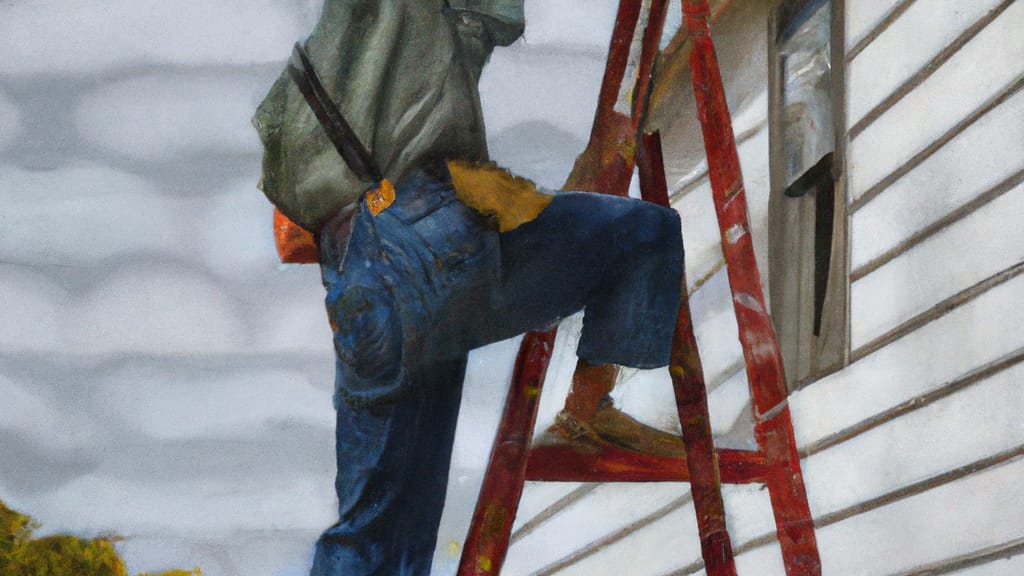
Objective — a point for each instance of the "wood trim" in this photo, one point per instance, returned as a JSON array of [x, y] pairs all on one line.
[[928, 69], [811, 354], [938, 311], [978, 375], [1005, 94], [877, 31], [838, 290], [934, 228]]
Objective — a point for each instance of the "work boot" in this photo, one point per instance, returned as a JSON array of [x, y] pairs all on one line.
[[612, 426]]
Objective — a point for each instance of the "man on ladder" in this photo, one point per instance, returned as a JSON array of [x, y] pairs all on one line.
[[457, 255]]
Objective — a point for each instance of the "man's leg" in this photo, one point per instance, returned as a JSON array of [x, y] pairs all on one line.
[[392, 477], [622, 260], [398, 389]]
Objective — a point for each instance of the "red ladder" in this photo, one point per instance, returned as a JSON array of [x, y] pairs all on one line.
[[606, 166]]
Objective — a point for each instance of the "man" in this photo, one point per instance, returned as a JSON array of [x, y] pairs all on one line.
[[458, 255]]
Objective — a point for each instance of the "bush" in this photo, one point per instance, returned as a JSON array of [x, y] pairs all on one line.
[[61, 555]]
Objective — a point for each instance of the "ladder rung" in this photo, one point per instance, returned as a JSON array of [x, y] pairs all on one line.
[[562, 463]]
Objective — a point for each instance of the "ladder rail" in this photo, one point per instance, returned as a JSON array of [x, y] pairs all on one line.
[[688, 385], [773, 426]]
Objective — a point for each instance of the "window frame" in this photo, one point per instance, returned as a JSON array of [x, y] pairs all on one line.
[[813, 326]]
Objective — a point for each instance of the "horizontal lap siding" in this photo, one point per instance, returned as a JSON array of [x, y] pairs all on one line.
[[979, 513], [970, 514], [671, 543], [975, 423], [890, 60], [653, 531], [974, 162], [974, 335], [980, 245], [701, 235], [606, 510], [906, 444], [1013, 566], [864, 16], [977, 73]]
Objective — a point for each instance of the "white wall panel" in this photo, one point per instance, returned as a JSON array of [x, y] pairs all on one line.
[[958, 430], [979, 158], [33, 312], [657, 549], [155, 308], [538, 496], [701, 238], [762, 561], [673, 542], [10, 121], [863, 16], [701, 235], [189, 114], [974, 513], [602, 512], [892, 58], [984, 243], [975, 74], [969, 337], [82, 214], [1000, 567]]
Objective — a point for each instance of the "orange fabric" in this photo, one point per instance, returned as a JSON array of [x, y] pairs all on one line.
[[295, 244]]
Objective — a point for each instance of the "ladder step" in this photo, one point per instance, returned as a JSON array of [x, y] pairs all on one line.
[[563, 463]]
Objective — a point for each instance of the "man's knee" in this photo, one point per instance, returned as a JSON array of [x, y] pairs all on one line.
[[654, 228]]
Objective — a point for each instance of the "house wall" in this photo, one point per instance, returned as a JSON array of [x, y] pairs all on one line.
[[912, 453], [911, 450]]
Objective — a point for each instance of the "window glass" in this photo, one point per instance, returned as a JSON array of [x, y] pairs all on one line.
[[804, 50]]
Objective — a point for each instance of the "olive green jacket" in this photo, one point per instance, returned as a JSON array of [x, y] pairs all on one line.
[[404, 74]]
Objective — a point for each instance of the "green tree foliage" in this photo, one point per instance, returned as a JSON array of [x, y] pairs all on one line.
[[61, 555]]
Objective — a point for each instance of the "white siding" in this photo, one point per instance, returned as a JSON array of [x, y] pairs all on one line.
[[971, 336], [930, 273], [863, 16], [1001, 567], [980, 70], [890, 60], [672, 542], [968, 515], [973, 162], [701, 238], [82, 38], [970, 425], [701, 235], [607, 509]]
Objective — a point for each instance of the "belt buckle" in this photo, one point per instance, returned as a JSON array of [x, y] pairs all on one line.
[[379, 198]]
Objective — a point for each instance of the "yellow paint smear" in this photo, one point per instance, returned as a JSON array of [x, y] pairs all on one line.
[[509, 200]]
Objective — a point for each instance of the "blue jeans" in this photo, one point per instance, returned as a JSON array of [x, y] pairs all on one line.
[[412, 290]]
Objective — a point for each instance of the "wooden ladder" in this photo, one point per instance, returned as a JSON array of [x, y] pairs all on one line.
[[607, 166]]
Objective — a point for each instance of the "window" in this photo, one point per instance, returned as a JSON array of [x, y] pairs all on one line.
[[807, 246]]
